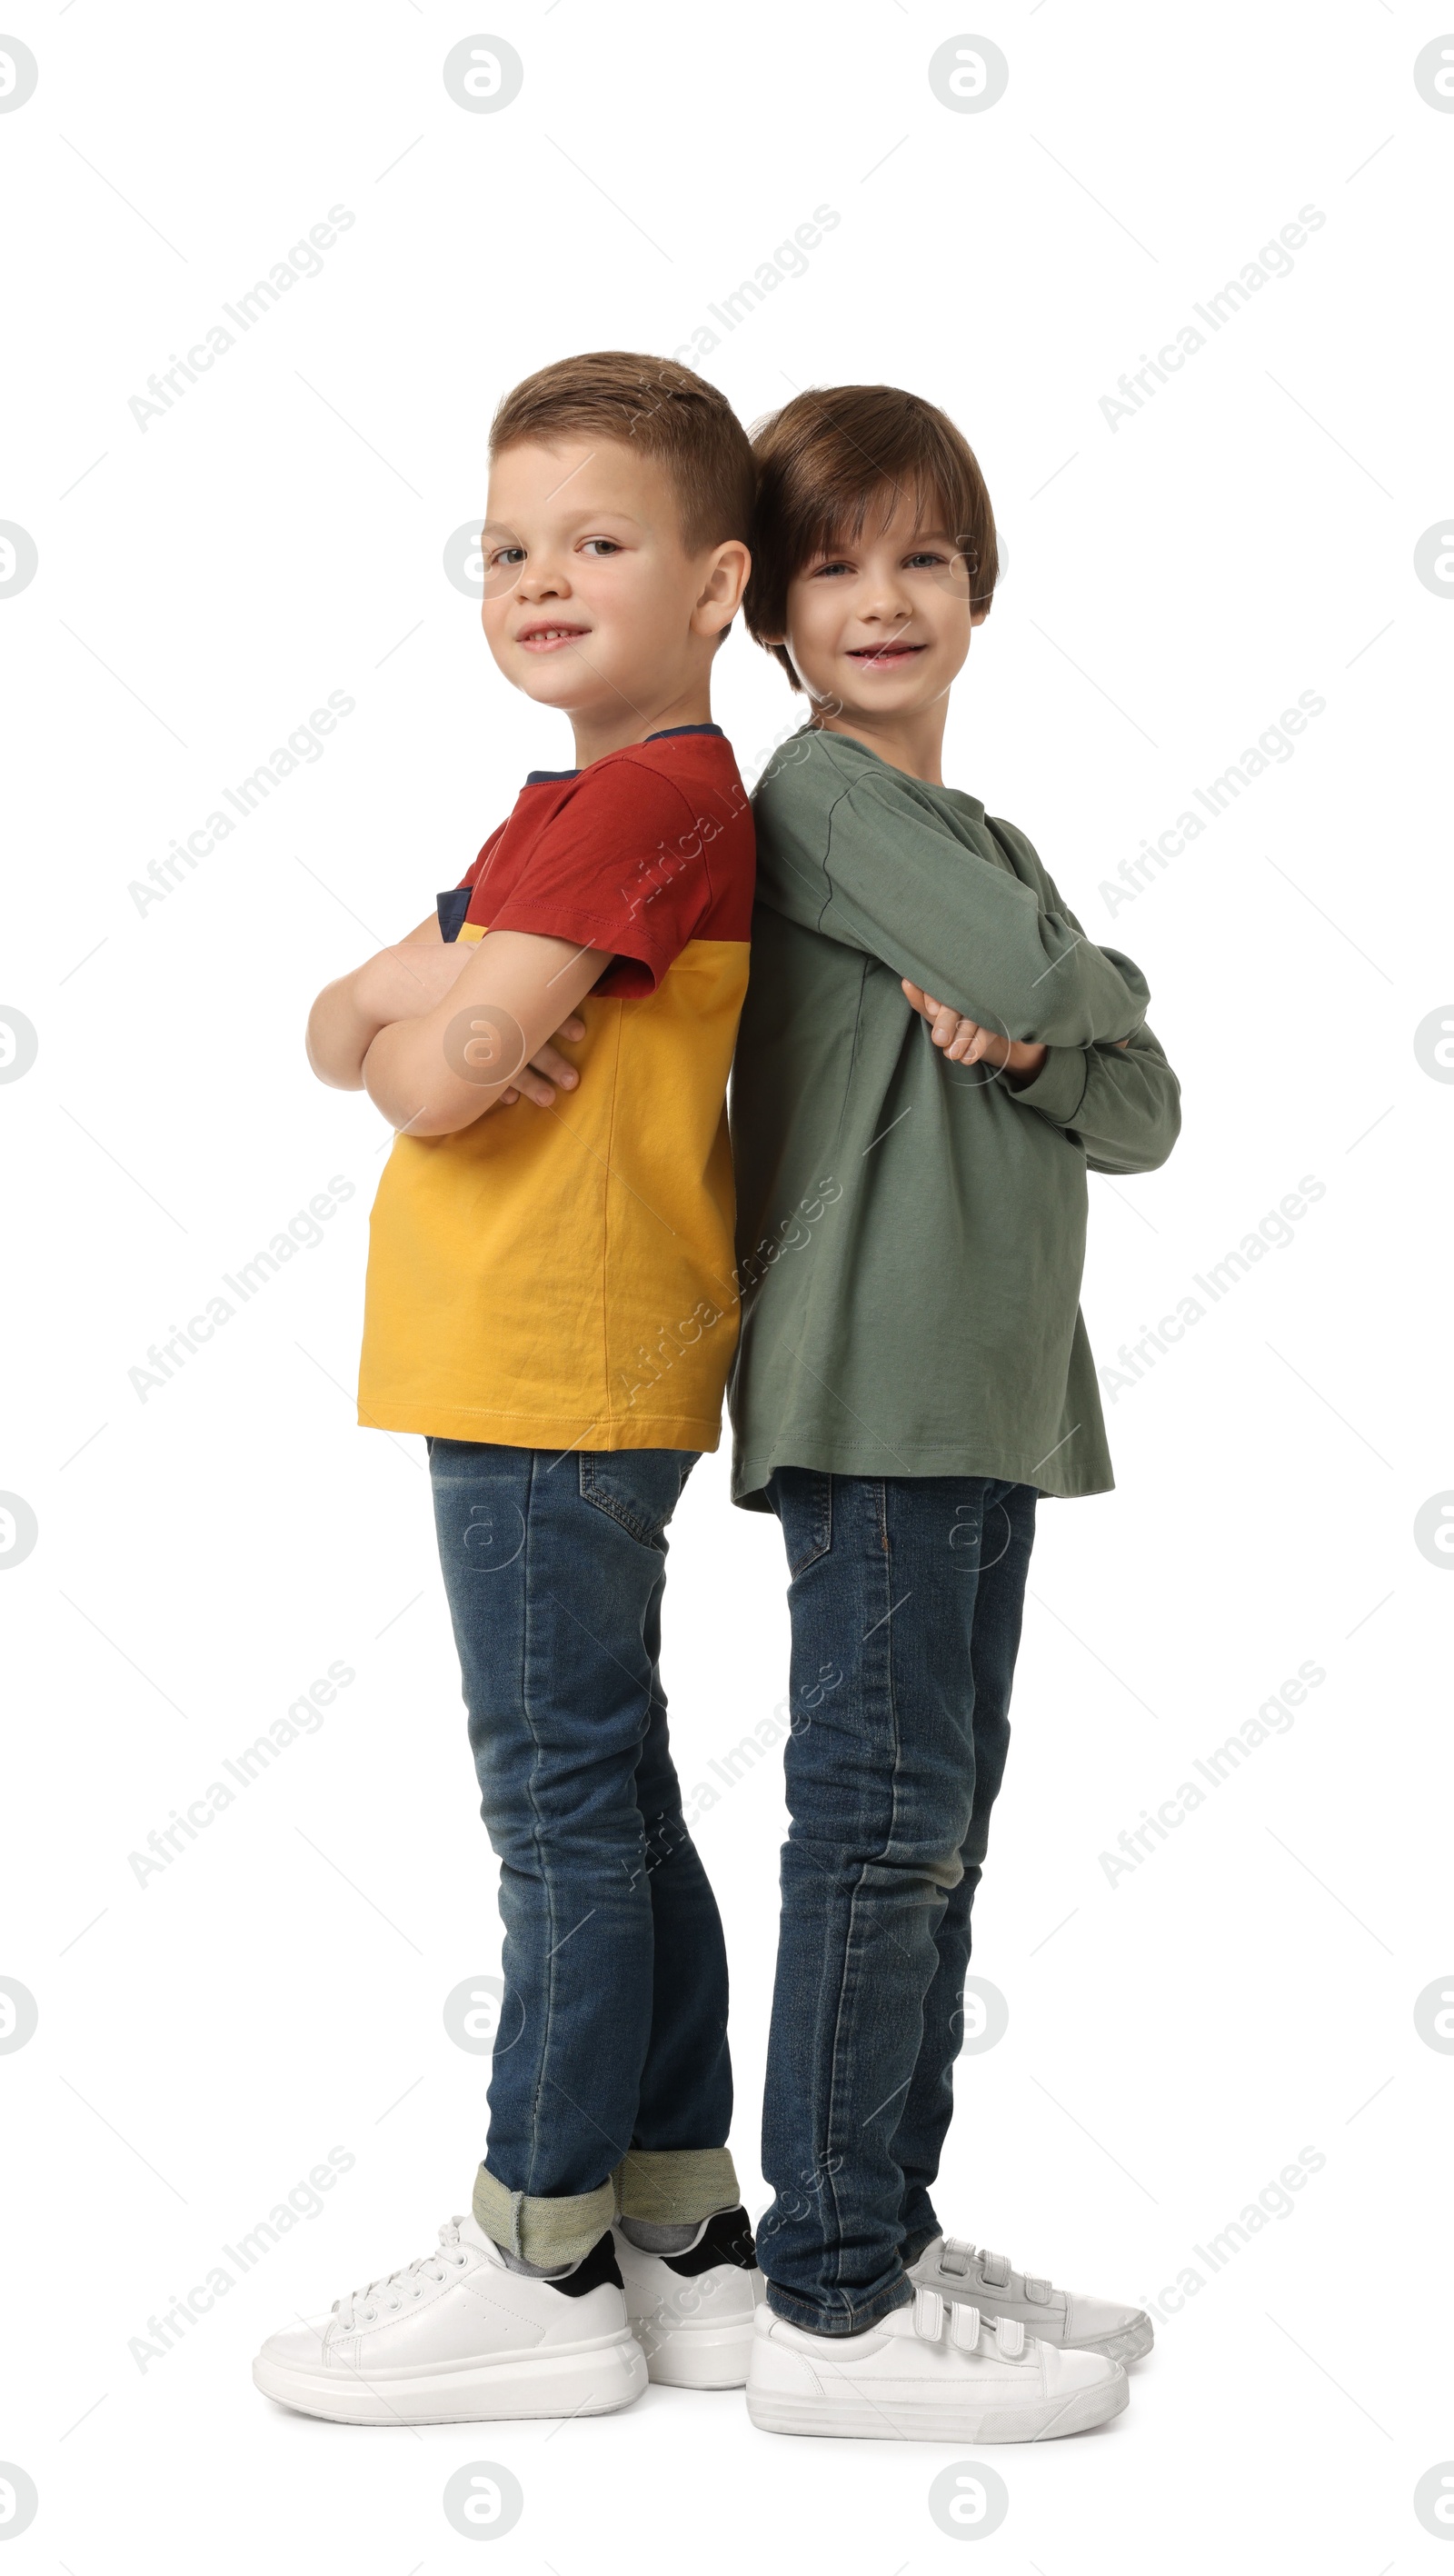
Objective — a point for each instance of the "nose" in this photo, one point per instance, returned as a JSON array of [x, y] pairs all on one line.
[[883, 602], [541, 578]]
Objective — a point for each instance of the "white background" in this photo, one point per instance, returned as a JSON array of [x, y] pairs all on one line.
[[1175, 2038]]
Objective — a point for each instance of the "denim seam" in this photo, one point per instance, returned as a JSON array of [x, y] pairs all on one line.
[[893, 1705], [835, 2080], [830, 2126], [616, 1511], [546, 1878], [824, 1528]]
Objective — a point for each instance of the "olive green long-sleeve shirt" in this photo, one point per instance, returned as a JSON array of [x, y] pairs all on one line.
[[911, 1233]]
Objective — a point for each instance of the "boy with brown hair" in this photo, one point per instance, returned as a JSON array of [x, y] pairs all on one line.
[[912, 1374], [550, 1302]]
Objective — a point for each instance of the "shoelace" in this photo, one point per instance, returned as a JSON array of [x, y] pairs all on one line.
[[994, 2269], [366, 2302], [965, 2325]]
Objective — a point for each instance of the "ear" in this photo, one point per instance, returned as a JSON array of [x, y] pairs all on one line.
[[724, 582]]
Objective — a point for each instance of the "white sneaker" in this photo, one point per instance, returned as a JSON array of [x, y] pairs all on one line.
[[927, 2373], [958, 2270], [458, 2338], [692, 2312]]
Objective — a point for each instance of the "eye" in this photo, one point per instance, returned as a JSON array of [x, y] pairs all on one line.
[[507, 555], [825, 570], [602, 545], [928, 558]]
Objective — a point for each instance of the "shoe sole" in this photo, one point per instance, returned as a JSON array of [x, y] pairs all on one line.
[[594, 2380], [695, 2356], [937, 2419]]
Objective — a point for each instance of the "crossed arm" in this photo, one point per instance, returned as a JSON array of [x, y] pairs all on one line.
[[1006, 954], [965, 1041], [1119, 1096], [438, 1032]]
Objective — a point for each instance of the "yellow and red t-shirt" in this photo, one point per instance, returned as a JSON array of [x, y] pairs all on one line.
[[563, 1278]]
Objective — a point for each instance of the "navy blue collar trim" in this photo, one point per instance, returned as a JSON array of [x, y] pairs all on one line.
[[669, 733]]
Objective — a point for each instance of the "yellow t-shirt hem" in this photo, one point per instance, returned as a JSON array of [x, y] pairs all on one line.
[[562, 1432]]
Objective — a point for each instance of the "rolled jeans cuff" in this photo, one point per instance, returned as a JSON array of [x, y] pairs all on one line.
[[549, 2232], [675, 2185]]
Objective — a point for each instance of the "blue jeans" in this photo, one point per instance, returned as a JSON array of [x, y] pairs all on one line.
[[611, 2087], [906, 1598]]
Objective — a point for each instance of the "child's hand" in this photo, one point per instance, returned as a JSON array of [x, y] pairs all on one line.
[[407, 983], [410, 980], [964, 1041], [547, 1068]]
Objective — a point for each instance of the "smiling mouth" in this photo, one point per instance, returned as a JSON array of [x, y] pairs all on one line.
[[883, 656], [549, 639]]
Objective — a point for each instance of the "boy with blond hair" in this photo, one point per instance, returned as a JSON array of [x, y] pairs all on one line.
[[550, 1302]]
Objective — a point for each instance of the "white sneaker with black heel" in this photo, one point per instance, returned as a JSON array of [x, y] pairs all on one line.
[[459, 2338], [692, 2309], [928, 2372], [1068, 2318]]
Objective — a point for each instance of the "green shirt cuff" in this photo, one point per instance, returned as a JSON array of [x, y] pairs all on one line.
[[1058, 1088]]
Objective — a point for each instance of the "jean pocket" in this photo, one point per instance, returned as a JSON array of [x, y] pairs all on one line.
[[640, 1488], [807, 1520]]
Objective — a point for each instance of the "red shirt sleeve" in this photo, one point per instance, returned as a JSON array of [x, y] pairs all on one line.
[[620, 866]]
